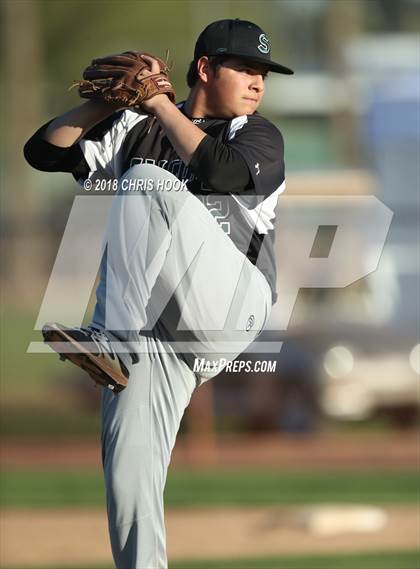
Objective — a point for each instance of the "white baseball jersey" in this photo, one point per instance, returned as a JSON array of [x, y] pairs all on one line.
[[237, 171]]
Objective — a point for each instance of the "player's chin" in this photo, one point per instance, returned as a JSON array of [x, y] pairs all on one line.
[[249, 106], [240, 108]]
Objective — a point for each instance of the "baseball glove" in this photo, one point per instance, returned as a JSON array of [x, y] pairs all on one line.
[[120, 79]]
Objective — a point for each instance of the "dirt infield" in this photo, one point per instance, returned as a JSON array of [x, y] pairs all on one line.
[[346, 452], [80, 536]]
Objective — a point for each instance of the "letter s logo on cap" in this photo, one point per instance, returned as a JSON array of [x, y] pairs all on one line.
[[264, 45]]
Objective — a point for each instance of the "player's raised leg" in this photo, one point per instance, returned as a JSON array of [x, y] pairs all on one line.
[[170, 262]]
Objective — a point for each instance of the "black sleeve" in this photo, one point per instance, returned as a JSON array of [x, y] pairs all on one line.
[[261, 145], [248, 159], [47, 157], [220, 167]]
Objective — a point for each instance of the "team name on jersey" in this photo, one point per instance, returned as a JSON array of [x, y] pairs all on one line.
[[176, 167]]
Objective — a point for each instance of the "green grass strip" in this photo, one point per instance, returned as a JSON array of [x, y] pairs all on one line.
[[400, 560], [47, 489], [377, 560]]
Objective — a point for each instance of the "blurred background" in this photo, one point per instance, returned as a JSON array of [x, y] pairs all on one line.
[[314, 465]]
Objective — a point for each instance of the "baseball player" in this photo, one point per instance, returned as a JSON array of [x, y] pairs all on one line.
[[188, 271]]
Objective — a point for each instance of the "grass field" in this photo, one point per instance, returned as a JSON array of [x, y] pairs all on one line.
[[384, 560], [401, 560], [45, 489]]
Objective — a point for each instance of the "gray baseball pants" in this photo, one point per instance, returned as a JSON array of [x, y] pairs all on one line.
[[179, 287]]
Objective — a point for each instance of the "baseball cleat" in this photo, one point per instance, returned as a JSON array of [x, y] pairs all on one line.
[[89, 349]]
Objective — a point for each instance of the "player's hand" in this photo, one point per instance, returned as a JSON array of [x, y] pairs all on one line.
[[151, 104]]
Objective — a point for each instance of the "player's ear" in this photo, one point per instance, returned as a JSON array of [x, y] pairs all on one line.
[[203, 69]]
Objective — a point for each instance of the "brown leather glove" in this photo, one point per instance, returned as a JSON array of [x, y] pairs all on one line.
[[120, 79]]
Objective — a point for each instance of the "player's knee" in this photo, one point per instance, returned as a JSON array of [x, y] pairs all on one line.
[[129, 482]]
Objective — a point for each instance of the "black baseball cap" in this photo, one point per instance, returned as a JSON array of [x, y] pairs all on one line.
[[238, 38]]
